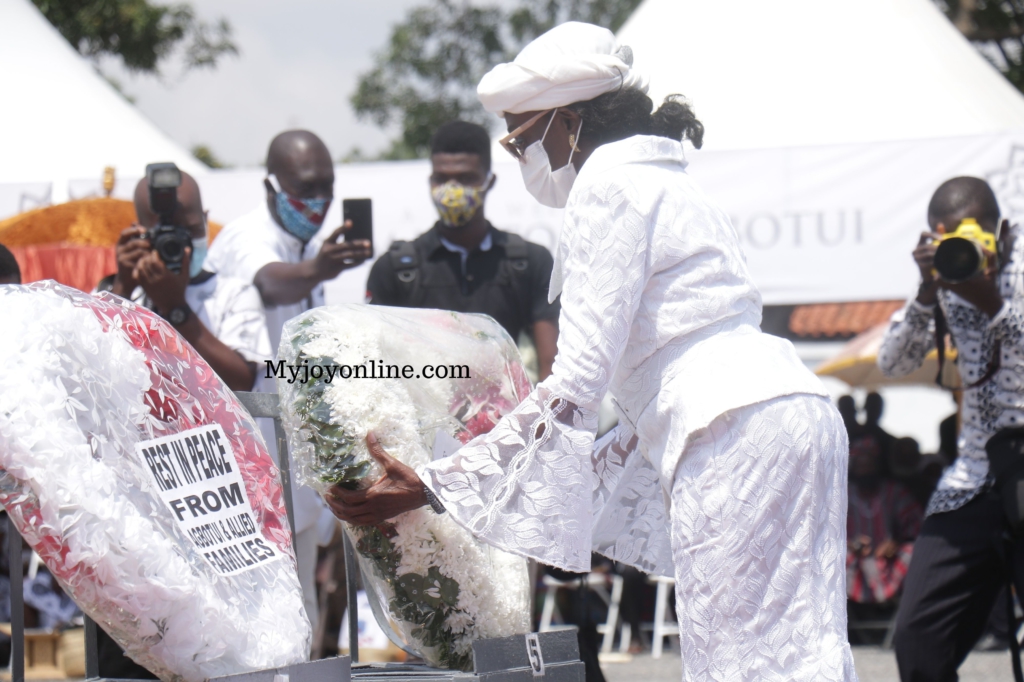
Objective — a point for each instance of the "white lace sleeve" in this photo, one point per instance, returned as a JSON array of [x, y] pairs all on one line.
[[631, 522], [910, 336], [527, 486]]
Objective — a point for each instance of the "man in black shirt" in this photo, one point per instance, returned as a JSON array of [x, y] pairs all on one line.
[[463, 263]]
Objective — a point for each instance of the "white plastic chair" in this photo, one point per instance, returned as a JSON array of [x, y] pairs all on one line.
[[661, 628], [550, 618], [608, 629]]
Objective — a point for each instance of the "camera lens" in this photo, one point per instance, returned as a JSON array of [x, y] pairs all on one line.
[[957, 259], [172, 250]]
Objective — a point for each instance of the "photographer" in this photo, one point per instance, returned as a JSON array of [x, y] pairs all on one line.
[[960, 558], [220, 316]]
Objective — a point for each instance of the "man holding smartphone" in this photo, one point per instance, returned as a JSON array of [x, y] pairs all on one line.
[[275, 247]]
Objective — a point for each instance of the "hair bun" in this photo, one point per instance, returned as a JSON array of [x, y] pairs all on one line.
[[625, 53]]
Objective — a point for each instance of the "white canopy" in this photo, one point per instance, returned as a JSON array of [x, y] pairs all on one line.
[[793, 73], [60, 120], [829, 124]]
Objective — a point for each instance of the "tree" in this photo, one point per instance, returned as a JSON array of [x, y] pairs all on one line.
[[141, 33], [996, 27], [206, 155], [428, 72]]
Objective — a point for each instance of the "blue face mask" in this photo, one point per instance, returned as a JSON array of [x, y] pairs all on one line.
[[301, 217], [195, 264]]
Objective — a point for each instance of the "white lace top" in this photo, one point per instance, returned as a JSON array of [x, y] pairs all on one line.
[[996, 404], [658, 307]]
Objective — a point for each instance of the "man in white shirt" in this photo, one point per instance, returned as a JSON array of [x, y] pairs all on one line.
[[275, 248], [220, 316]]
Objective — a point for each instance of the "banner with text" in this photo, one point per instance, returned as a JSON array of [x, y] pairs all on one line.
[[818, 224], [198, 479]]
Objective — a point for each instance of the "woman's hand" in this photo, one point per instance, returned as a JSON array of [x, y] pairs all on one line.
[[399, 490]]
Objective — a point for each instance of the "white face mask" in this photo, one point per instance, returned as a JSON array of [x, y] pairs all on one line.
[[550, 188]]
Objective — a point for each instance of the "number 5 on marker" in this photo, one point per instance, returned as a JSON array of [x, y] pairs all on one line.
[[534, 654]]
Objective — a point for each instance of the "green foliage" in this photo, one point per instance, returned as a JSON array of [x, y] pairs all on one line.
[[427, 74], [140, 32], [206, 155], [426, 601], [996, 27]]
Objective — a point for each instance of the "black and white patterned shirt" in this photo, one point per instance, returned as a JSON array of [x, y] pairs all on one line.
[[998, 403]]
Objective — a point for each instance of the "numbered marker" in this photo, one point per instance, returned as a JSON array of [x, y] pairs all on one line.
[[533, 653]]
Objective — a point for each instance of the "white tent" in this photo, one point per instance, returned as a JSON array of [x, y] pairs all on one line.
[[819, 72], [829, 124], [60, 120]]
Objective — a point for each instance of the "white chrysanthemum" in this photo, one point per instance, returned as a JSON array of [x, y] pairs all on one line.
[[71, 411], [405, 415]]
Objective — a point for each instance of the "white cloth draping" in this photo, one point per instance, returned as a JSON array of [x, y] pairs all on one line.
[[572, 62]]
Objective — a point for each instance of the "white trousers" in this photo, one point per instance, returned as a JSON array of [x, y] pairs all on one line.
[[759, 542]]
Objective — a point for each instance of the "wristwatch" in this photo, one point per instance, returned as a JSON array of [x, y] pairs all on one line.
[[178, 316], [434, 503]]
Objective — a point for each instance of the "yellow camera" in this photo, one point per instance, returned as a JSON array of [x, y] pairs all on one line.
[[961, 254]]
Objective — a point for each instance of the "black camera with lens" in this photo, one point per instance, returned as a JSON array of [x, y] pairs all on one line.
[[961, 255], [168, 239]]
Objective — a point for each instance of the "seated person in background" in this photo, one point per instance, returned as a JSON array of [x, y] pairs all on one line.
[[221, 317], [10, 273], [904, 460], [911, 469], [463, 263], [882, 522]]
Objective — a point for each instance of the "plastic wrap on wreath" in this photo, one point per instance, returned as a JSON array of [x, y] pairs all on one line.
[[424, 381], [144, 485]]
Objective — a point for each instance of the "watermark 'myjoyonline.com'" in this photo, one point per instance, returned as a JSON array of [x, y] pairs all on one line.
[[372, 369]]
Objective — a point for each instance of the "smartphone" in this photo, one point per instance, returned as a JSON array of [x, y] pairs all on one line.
[[360, 212]]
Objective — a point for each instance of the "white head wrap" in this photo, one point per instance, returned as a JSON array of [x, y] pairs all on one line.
[[572, 62]]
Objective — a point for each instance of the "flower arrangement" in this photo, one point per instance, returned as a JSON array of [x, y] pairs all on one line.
[[91, 389], [435, 588]]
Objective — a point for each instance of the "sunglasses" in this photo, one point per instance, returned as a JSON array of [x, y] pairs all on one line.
[[512, 144]]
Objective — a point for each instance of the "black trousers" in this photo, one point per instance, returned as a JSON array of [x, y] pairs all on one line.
[[954, 578]]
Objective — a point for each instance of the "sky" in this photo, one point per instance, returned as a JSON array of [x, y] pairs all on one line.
[[299, 63]]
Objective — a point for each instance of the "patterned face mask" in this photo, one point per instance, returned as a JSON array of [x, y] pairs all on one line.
[[195, 264], [301, 217], [457, 203]]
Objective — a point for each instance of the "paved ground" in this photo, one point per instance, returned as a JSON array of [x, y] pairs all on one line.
[[873, 665]]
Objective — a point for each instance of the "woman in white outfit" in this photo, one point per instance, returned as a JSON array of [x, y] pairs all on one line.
[[728, 468]]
